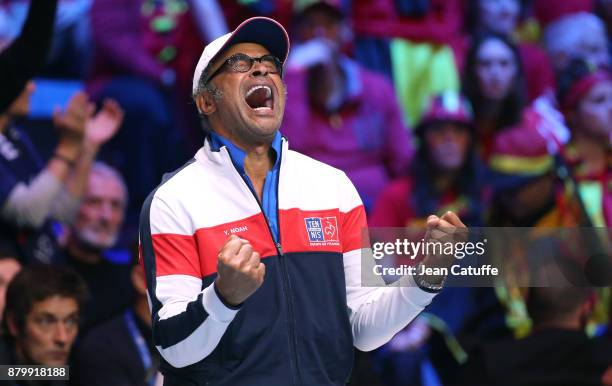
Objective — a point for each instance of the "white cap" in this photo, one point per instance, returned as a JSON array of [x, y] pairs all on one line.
[[261, 30]]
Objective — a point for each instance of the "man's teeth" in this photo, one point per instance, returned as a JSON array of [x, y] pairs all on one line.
[[254, 88]]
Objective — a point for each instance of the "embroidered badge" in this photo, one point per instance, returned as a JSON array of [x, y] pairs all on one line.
[[322, 230]]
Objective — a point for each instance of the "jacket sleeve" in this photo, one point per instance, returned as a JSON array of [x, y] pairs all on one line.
[[29, 205], [23, 58], [187, 320], [376, 311]]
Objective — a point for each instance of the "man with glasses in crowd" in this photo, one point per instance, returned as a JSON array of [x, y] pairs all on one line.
[[252, 252]]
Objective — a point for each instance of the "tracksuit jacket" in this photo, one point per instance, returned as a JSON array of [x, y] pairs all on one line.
[[300, 326]]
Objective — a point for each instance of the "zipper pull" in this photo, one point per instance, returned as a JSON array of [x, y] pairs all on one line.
[[280, 248]]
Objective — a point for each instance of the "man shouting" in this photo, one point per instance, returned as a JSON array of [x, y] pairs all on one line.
[[252, 251]]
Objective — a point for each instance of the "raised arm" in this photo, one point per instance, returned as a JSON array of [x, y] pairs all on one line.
[[376, 313], [29, 203], [188, 321]]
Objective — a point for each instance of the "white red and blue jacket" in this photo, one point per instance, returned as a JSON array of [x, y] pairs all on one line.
[[300, 326]]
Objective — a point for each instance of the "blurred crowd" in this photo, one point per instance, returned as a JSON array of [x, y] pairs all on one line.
[[500, 110]]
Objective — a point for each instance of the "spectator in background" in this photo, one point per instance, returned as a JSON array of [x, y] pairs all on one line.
[[558, 352], [436, 21], [415, 43], [120, 352], [94, 231], [585, 95], [445, 175], [579, 35], [495, 85], [150, 41], [9, 266], [144, 53], [32, 194], [502, 17], [41, 318], [339, 112], [528, 191]]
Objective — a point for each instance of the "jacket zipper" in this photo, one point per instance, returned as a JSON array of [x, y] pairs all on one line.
[[286, 283], [283, 264]]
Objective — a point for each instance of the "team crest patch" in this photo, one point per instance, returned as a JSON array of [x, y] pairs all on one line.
[[322, 230]]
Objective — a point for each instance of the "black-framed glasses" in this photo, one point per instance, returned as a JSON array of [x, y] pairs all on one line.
[[243, 63]]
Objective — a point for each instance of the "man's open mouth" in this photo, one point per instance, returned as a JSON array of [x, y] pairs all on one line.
[[260, 98]]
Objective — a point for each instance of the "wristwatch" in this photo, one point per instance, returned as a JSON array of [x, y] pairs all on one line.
[[422, 283]]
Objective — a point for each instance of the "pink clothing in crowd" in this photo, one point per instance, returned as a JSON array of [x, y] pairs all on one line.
[[548, 11], [380, 18], [366, 139], [539, 73], [126, 44]]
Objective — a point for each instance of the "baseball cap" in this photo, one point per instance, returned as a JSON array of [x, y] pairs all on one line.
[[448, 106], [261, 30]]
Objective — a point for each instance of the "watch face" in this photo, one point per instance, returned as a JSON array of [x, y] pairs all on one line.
[[422, 282]]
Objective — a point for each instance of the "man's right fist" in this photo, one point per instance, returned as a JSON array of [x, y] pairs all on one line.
[[239, 271]]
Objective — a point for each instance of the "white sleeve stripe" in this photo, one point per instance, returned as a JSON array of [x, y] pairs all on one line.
[[196, 346], [378, 313], [215, 307], [189, 325]]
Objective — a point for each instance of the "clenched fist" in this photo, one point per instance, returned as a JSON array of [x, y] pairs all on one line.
[[239, 271], [446, 229]]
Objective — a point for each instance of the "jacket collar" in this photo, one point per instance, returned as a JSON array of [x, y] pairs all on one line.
[[221, 151]]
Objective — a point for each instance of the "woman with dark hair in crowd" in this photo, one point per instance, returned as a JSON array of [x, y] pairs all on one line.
[[503, 17], [495, 85], [446, 174]]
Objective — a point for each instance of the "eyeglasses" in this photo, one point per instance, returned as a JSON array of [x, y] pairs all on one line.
[[244, 63]]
